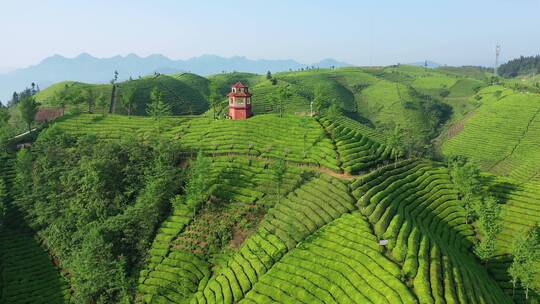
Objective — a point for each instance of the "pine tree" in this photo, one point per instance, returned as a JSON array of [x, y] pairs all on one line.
[[157, 108]]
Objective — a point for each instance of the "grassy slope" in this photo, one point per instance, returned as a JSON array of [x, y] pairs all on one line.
[[46, 96]]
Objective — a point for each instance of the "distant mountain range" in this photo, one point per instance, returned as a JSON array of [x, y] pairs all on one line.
[[86, 68]]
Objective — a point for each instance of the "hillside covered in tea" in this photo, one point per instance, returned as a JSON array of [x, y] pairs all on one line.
[[395, 184]]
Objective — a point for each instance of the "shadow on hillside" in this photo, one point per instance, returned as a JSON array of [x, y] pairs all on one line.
[[361, 119], [501, 190], [28, 273]]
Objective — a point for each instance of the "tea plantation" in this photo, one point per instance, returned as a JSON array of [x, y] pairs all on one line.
[[508, 126], [338, 207]]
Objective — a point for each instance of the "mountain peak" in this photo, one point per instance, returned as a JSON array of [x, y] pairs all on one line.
[[85, 56], [132, 56], [53, 59]]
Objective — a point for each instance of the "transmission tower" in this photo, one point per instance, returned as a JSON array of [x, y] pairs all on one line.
[[497, 53]]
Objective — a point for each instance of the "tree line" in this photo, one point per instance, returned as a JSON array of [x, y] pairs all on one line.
[[520, 66], [96, 205]]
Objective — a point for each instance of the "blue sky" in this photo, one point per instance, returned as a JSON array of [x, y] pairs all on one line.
[[359, 32]]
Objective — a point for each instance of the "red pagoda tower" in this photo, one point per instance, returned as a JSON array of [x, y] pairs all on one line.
[[239, 102]]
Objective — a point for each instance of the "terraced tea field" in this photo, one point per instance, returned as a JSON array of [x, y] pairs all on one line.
[[413, 206], [295, 139], [176, 265], [520, 212], [27, 274], [521, 208], [118, 127], [317, 244], [507, 127]]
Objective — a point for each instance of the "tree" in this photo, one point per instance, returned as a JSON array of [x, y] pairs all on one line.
[[28, 108], [89, 98], [157, 108], [117, 192], [320, 99], [489, 212], [128, 98], [268, 75], [61, 98], [395, 143], [526, 254], [283, 95], [14, 99], [279, 168], [466, 178], [5, 135], [215, 98], [78, 98], [4, 115]]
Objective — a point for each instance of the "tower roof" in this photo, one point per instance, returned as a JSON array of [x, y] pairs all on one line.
[[239, 94], [239, 85]]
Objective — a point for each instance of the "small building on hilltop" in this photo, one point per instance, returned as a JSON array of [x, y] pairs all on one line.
[[239, 102]]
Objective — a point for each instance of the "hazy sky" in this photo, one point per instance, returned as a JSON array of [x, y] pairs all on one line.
[[378, 32]]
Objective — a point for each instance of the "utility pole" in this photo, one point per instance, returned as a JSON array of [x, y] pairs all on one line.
[[497, 53]]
